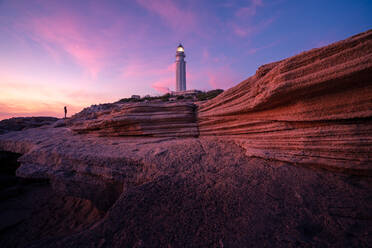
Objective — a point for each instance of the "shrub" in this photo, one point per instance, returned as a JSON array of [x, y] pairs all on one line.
[[208, 95]]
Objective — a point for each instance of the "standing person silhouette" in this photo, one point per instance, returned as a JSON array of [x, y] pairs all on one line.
[[65, 111]]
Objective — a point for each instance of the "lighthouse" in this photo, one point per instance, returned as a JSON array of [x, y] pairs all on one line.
[[180, 69]]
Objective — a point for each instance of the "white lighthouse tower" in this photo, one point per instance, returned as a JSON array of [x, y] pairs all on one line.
[[180, 69]]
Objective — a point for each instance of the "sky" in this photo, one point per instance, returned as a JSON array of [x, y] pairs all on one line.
[[78, 53]]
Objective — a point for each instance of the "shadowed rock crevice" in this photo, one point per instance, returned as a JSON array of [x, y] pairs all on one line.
[[39, 213], [31, 210], [8, 167], [102, 193]]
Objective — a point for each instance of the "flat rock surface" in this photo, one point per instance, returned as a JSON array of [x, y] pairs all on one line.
[[193, 192]]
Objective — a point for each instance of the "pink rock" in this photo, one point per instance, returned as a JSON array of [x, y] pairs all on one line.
[[313, 109]]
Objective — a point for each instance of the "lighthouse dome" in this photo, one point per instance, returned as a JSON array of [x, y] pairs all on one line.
[[180, 48]]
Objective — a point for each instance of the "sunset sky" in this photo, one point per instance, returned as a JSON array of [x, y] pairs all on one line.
[[78, 53]]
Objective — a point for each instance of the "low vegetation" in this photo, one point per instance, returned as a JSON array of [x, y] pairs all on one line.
[[201, 96]]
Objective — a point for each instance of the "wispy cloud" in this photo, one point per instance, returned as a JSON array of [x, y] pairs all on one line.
[[92, 41], [244, 29], [249, 10], [64, 32], [175, 16], [257, 49], [244, 24]]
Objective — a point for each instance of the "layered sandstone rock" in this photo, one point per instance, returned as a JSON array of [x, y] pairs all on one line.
[[232, 185], [139, 119], [311, 109]]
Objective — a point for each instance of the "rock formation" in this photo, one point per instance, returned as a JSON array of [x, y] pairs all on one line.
[[22, 123], [139, 119], [185, 192], [313, 109], [241, 170]]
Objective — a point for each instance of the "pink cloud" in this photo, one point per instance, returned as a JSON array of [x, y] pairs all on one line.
[[163, 70], [66, 34], [167, 82], [137, 68], [132, 70], [163, 85], [63, 31], [174, 16], [161, 76], [222, 77]]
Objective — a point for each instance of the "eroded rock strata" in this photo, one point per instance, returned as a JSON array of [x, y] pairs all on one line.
[[139, 119], [313, 109], [241, 170]]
